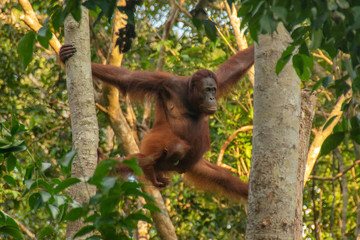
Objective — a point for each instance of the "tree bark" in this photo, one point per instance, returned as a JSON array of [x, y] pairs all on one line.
[[322, 134], [273, 177], [345, 195], [82, 110], [308, 104]]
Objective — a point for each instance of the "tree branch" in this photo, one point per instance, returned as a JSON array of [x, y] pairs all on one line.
[[32, 21], [321, 135], [227, 142], [22, 227], [337, 176]]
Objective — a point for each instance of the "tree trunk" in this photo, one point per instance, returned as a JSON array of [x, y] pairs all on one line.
[[308, 104], [273, 177], [82, 110]]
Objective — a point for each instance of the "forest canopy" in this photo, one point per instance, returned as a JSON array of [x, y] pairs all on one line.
[[179, 37]]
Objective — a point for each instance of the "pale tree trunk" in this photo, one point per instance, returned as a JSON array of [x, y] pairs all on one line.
[[308, 104], [345, 195], [273, 177], [82, 111], [357, 227], [323, 133]]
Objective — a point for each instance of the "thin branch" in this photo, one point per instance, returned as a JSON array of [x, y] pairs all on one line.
[[229, 168], [227, 142], [225, 40], [32, 21], [102, 108], [45, 133], [337, 176], [22, 227], [322, 56], [217, 29], [170, 50], [235, 24]]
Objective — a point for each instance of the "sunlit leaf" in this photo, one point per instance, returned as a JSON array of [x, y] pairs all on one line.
[[54, 211]]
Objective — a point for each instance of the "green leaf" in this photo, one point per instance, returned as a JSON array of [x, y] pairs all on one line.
[[303, 66], [94, 237], [6, 220], [326, 80], [151, 207], [67, 159], [10, 180], [35, 201], [16, 127], [11, 162], [268, 24], [54, 211], [29, 183], [343, 4], [45, 196], [44, 36], [349, 68], [210, 29], [108, 182], [66, 162], [25, 48], [355, 135], [12, 231], [84, 230], [74, 214], [102, 170], [139, 216], [284, 59], [280, 12], [134, 165], [197, 23], [329, 122], [66, 183], [42, 183], [45, 232], [29, 171], [17, 146], [355, 122], [59, 200], [331, 142], [45, 166], [73, 7], [230, 2], [316, 38], [56, 18]]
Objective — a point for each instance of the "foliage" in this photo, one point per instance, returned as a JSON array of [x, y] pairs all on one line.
[[49, 194], [35, 144], [322, 24]]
